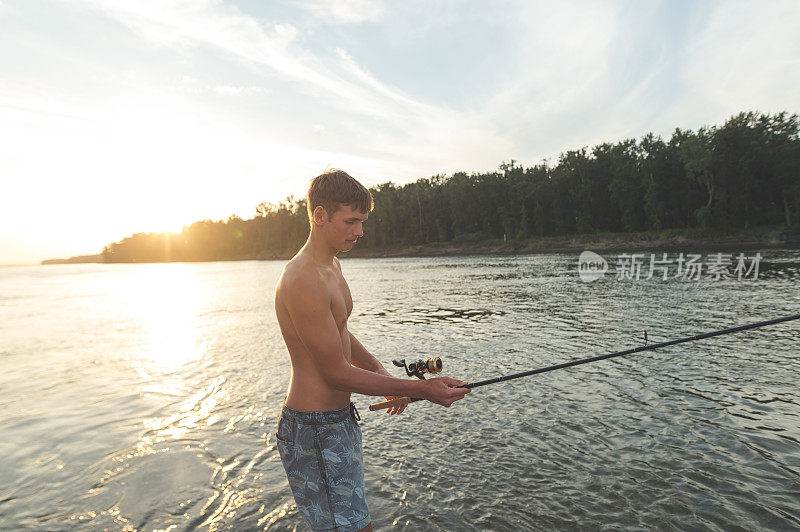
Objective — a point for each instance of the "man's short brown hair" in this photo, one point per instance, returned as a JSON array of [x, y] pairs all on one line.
[[334, 188]]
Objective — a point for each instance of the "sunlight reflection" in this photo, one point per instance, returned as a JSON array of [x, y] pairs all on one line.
[[195, 413], [166, 299], [276, 514]]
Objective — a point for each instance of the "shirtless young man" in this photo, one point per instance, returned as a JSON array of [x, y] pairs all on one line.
[[318, 437]]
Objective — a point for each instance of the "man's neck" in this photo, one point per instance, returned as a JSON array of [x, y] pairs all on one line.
[[319, 250]]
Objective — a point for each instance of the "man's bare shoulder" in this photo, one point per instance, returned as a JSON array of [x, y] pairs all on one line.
[[301, 277]]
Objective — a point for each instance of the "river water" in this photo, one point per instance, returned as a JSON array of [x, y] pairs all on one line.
[[142, 397]]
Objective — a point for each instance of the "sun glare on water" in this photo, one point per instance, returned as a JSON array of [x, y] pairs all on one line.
[[165, 299]]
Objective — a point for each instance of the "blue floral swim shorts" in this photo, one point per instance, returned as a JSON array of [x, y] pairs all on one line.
[[322, 455]]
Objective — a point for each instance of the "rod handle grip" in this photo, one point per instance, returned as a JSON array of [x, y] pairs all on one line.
[[397, 401]]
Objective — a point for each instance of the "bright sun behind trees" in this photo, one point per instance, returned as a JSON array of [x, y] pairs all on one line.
[[742, 174]]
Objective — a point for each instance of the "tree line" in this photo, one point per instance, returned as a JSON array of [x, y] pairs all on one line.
[[742, 174]]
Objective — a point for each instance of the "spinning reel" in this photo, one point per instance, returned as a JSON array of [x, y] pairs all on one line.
[[418, 368]]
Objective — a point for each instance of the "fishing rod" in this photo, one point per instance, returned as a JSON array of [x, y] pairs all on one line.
[[405, 400]]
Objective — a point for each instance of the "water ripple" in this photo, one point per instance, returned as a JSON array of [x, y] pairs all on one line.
[[111, 421]]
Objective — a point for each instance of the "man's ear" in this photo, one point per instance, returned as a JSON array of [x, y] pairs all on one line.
[[320, 215]]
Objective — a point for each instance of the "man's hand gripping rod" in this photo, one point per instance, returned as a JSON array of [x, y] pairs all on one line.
[[415, 369]]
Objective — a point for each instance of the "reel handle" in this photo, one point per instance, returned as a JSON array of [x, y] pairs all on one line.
[[390, 403]]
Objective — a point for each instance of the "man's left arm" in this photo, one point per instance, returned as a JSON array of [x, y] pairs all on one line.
[[361, 358]]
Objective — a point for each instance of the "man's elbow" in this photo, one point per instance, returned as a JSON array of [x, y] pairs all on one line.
[[339, 378]]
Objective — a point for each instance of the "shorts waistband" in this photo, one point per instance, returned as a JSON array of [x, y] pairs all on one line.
[[321, 418]]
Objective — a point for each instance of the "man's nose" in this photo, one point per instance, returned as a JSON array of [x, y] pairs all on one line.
[[359, 230]]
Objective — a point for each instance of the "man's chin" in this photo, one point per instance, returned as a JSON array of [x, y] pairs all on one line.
[[348, 245]]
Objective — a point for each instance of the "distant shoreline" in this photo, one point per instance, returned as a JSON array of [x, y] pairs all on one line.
[[78, 259], [662, 240]]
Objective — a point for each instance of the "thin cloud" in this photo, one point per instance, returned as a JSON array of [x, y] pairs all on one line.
[[181, 24], [745, 59], [567, 86], [234, 90], [345, 11], [439, 133]]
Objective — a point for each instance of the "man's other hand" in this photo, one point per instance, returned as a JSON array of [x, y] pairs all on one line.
[[397, 409]]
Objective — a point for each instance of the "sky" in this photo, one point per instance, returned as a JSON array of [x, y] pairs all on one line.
[[127, 116]]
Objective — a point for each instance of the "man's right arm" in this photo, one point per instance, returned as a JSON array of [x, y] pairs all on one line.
[[309, 307]]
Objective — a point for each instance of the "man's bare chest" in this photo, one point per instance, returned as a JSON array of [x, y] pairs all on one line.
[[341, 299]]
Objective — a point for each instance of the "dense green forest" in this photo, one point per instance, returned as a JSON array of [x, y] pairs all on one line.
[[742, 174]]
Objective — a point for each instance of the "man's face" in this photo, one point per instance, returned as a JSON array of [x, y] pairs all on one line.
[[345, 227]]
